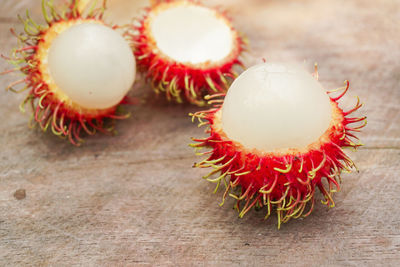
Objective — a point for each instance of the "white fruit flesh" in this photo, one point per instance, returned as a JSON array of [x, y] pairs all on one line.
[[276, 107], [188, 33], [92, 64]]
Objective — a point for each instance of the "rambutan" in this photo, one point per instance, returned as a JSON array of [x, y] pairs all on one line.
[[77, 70], [187, 50], [275, 138]]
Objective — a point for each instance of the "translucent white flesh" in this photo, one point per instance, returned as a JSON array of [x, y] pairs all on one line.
[[275, 107], [192, 34], [92, 64]]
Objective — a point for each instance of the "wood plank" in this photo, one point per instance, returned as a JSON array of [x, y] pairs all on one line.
[[134, 199]]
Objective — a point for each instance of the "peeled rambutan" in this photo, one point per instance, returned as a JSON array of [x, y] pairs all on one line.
[[275, 138], [77, 70], [187, 50]]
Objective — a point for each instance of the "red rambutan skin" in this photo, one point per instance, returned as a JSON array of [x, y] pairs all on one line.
[[183, 81], [65, 118], [285, 181]]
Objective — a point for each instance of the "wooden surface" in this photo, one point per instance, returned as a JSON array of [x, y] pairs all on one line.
[[134, 199]]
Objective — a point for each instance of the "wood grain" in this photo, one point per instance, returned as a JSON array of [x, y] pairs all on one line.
[[134, 199]]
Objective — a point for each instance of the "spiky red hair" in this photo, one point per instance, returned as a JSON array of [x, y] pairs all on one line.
[[182, 81], [286, 181], [50, 106]]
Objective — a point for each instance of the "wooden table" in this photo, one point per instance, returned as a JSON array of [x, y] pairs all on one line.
[[134, 199]]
